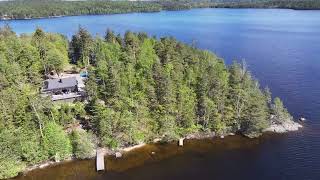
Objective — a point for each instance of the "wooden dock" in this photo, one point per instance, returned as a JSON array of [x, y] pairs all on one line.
[[100, 160], [181, 142]]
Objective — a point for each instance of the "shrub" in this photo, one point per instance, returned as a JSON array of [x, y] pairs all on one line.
[[82, 144]]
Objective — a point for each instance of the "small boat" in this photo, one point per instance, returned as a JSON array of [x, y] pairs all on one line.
[[302, 119]]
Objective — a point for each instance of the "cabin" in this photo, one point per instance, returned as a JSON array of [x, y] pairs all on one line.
[[61, 85], [67, 89]]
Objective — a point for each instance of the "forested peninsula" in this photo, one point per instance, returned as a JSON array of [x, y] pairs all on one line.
[[138, 89], [29, 9]]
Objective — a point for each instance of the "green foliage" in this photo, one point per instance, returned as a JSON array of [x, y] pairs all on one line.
[[144, 88], [82, 144], [81, 48], [283, 4], [18, 148], [256, 118], [67, 113], [52, 50], [56, 141], [279, 111], [117, 128], [186, 106], [106, 120], [10, 167], [32, 150], [10, 161], [22, 113], [40, 8]]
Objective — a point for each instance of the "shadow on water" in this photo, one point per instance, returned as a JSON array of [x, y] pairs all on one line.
[[149, 159]]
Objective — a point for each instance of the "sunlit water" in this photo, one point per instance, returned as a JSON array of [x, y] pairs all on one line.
[[281, 48]]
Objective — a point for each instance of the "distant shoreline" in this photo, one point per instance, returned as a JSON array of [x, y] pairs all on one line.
[[61, 16]]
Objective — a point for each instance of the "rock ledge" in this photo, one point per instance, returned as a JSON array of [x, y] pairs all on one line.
[[284, 127]]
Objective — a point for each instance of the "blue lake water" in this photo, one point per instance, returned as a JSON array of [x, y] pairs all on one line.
[[282, 50]]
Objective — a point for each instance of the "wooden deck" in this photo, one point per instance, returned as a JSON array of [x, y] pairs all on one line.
[[100, 160], [66, 96]]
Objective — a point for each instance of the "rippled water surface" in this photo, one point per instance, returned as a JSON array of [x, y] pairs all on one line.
[[282, 49]]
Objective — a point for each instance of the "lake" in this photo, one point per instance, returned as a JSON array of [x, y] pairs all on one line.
[[282, 50]]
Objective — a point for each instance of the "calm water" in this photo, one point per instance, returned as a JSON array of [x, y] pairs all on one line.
[[282, 49]]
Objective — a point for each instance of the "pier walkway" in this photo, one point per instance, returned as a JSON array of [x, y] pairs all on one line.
[[100, 160]]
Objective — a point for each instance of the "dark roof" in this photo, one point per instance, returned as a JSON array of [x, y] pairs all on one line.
[[52, 84]]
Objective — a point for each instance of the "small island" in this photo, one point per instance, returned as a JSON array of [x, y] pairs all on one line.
[[62, 99]]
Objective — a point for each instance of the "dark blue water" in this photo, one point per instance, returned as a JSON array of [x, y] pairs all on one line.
[[281, 48]]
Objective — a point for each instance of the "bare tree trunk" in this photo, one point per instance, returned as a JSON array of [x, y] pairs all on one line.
[[39, 119], [52, 115]]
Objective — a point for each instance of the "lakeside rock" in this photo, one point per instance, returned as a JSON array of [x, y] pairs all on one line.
[[201, 135], [118, 155], [284, 127]]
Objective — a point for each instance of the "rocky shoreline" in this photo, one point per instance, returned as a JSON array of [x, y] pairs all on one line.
[[46, 164], [284, 127], [105, 151], [29, 18]]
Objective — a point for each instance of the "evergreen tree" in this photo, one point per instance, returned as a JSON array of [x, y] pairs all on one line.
[[81, 48], [279, 111], [110, 36]]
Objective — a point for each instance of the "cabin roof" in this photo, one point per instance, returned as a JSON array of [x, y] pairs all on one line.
[[61, 83]]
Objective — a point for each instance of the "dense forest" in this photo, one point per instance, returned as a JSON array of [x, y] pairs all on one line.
[[139, 88], [25, 9], [285, 4]]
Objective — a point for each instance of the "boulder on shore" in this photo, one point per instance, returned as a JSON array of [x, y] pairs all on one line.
[[201, 135], [118, 155]]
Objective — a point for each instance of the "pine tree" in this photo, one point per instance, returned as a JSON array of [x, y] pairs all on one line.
[[279, 111], [81, 48], [110, 36]]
